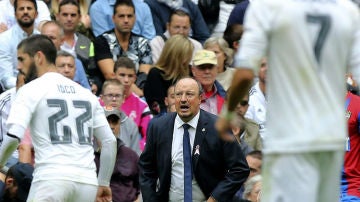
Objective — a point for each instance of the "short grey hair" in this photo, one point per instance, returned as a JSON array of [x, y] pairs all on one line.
[[57, 24], [249, 185], [64, 54], [224, 46]]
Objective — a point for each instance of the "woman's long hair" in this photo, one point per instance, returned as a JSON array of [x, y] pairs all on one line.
[[175, 57]]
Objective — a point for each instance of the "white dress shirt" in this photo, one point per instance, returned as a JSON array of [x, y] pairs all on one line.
[[70, 48], [177, 163], [8, 54]]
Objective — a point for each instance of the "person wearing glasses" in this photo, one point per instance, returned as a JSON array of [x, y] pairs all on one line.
[[112, 94], [185, 155], [205, 70], [173, 64], [246, 130]]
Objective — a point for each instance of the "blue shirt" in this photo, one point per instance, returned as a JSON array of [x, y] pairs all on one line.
[[101, 12], [80, 75]]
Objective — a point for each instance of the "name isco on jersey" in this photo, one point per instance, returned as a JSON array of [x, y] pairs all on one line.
[[66, 89]]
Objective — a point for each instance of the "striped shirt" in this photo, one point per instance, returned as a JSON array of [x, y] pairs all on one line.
[[6, 99], [5, 104]]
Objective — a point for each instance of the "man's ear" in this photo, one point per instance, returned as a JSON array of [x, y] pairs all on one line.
[[39, 57]]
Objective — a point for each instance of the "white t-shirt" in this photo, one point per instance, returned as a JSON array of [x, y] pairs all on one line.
[[224, 13], [62, 116], [309, 45]]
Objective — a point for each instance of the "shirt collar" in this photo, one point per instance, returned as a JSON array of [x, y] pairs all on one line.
[[193, 122], [23, 33], [70, 48], [204, 98], [167, 34]]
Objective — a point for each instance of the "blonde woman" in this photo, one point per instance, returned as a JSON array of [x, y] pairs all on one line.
[[224, 56], [172, 65]]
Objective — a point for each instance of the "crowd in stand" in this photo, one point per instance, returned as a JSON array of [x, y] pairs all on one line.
[[148, 63]]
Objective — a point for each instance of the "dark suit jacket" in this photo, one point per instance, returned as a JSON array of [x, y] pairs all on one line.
[[220, 169]]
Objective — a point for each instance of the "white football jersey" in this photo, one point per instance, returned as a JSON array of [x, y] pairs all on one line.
[[62, 115], [6, 99], [309, 44], [5, 104], [257, 108]]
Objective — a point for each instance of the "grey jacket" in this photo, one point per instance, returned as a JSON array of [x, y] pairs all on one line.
[[129, 133]]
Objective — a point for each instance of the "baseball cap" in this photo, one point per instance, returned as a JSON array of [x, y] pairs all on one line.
[[23, 175], [204, 57], [109, 110]]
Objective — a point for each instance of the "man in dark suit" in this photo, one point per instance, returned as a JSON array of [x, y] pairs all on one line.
[[218, 168]]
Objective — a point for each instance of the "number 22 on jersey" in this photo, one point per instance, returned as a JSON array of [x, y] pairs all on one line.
[[63, 135]]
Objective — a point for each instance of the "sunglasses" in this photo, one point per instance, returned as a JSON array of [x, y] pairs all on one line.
[[206, 66], [244, 103]]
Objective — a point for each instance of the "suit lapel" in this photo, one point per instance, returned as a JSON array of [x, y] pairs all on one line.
[[165, 142], [199, 139]]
